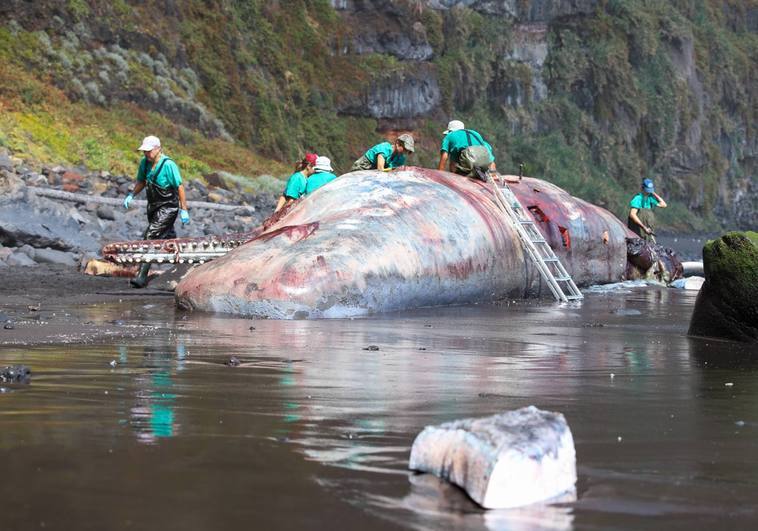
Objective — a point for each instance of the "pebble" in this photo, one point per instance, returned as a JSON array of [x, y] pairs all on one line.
[[9, 326], [113, 363], [729, 384], [371, 347], [233, 362]]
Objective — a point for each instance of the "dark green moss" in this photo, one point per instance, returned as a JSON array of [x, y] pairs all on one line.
[[727, 304]]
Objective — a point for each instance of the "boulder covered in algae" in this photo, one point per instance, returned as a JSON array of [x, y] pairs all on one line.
[[727, 305], [371, 241], [503, 461]]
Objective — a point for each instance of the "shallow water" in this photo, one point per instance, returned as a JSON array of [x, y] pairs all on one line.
[[311, 430]]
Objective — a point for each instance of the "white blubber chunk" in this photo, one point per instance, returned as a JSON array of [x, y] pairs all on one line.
[[503, 461]]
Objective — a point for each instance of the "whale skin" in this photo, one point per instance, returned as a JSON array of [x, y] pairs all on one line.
[[373, 241]]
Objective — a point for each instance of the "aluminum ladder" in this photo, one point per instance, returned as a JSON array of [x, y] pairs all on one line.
[[549, 265]]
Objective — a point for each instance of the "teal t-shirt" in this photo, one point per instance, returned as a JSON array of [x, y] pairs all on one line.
[[385, 149], [295, 188], [167, 177], [317, 180], [457, 141], [641, 201]]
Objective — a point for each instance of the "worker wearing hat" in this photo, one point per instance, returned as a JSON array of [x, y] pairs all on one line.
[[295, 188], [322, 174], [165, 197], [641, 219], [386, 156], [465, 152]]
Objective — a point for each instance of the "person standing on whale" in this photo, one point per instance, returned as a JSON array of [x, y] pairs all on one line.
[[165, 197], [641, 219]]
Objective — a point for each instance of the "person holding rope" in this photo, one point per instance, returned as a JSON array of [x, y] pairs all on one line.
[[165, 197]]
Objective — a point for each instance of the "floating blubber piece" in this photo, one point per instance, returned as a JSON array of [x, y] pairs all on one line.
[[503, 461]]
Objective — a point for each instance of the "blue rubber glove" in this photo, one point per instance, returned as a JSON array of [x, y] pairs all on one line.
[[184, 216], [128, 200]]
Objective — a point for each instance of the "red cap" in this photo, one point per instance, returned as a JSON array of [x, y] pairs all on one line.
[[310, 158]]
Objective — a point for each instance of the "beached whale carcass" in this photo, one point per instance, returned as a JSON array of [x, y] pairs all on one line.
[[372, 241]]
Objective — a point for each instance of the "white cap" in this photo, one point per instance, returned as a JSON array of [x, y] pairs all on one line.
[[150, 143], [323, 164], [454, 125]]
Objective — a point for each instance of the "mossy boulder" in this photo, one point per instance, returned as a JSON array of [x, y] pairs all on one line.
[[727, 305]]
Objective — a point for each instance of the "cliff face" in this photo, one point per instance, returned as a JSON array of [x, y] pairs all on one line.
[[592, 94]]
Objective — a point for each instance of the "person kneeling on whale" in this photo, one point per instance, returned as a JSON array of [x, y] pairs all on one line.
[[296, 184], [465, 152], [165, 197], [322, 174], [386, 156]]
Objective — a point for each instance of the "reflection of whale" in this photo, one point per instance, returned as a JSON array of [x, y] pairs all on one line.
[[372, 241]]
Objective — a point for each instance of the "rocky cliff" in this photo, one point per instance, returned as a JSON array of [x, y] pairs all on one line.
[[593, 94]]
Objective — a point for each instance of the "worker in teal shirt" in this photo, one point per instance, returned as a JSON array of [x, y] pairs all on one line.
[[297, 182], [465, 152], [165, 197], [386, 156], [641, 218], [322, 174]]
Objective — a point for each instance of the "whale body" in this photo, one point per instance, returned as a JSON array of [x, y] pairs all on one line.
[[373, 241]]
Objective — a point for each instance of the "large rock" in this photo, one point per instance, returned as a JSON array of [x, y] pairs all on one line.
[[20, 259], [51, 256], [41, 222], [507, 460], [727, 305]]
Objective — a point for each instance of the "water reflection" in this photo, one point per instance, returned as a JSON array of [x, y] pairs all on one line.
[[153, 416], [658, 433]]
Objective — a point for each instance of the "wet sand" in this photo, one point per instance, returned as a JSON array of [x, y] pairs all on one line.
[[313, 431]]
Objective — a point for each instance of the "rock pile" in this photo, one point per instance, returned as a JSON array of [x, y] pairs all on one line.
[[36, 229]]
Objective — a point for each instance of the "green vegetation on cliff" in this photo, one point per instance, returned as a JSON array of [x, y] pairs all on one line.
[[634, 88]]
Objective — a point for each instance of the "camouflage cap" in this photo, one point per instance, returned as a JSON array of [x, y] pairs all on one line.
[[407, 141]]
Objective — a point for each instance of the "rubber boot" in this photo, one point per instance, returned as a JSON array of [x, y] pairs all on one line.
[[140, 281]]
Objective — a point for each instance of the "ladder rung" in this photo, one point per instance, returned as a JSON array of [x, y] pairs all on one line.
[[536, 245]]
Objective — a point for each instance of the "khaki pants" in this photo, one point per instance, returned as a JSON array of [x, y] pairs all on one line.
[[362, 164], [470, 159]]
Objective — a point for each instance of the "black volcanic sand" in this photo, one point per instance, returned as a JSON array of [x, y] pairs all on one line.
[[51, 304]]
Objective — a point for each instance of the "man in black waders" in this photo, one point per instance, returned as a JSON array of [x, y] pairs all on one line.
[[465, 152], [165, 196]]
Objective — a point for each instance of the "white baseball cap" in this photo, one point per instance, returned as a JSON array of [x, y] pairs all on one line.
[[149, 143], [453, 125], [323, 164]]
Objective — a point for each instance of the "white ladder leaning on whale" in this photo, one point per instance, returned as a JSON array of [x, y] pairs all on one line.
[[535, 244]]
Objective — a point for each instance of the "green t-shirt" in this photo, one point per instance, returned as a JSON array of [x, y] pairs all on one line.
[[385, 149], [317, 180], [640, 201], [295, 188], [167, 177], [457, 141]]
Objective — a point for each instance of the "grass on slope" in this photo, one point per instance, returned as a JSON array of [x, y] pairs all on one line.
[[39, 123]]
